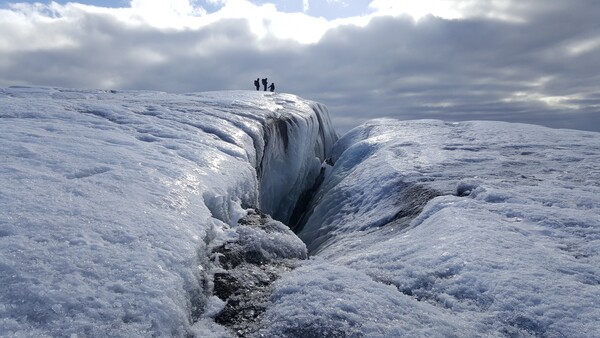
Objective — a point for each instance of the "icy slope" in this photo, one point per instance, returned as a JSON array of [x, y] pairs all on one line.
[[112, 202], [436, 229]]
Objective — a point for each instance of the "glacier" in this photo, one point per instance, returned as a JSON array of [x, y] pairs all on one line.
[[137, 213]]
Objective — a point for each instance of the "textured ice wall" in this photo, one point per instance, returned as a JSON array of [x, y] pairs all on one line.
[[296, 145]]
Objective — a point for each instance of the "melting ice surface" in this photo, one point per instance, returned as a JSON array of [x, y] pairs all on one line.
[[112, 203]]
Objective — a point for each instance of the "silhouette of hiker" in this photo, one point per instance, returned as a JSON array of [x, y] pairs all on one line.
[[272, 87], [257, 84], [265, 82]]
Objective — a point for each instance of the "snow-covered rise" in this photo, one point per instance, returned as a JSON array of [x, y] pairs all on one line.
[[110, 202], [427, 228]]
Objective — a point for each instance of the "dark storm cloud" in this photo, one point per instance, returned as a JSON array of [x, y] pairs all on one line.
[[110, 54], [542, 69], [108, 51], [464, 69]]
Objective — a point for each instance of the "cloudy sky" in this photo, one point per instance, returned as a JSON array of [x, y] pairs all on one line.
[[533, 61]]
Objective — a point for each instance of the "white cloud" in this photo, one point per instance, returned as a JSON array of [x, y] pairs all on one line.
[[506, 10], [166, 13], [35, 27], [556, 102], [305, 6], [417, 9], [264, 20], [584, 46]]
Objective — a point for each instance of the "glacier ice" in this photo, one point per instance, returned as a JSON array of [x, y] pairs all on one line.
[[134, 214]]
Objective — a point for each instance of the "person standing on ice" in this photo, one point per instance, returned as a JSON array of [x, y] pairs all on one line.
[[265, 82], [257, 84], [272, 87]]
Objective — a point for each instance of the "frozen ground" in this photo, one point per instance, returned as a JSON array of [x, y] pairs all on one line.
[[136, 214]]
